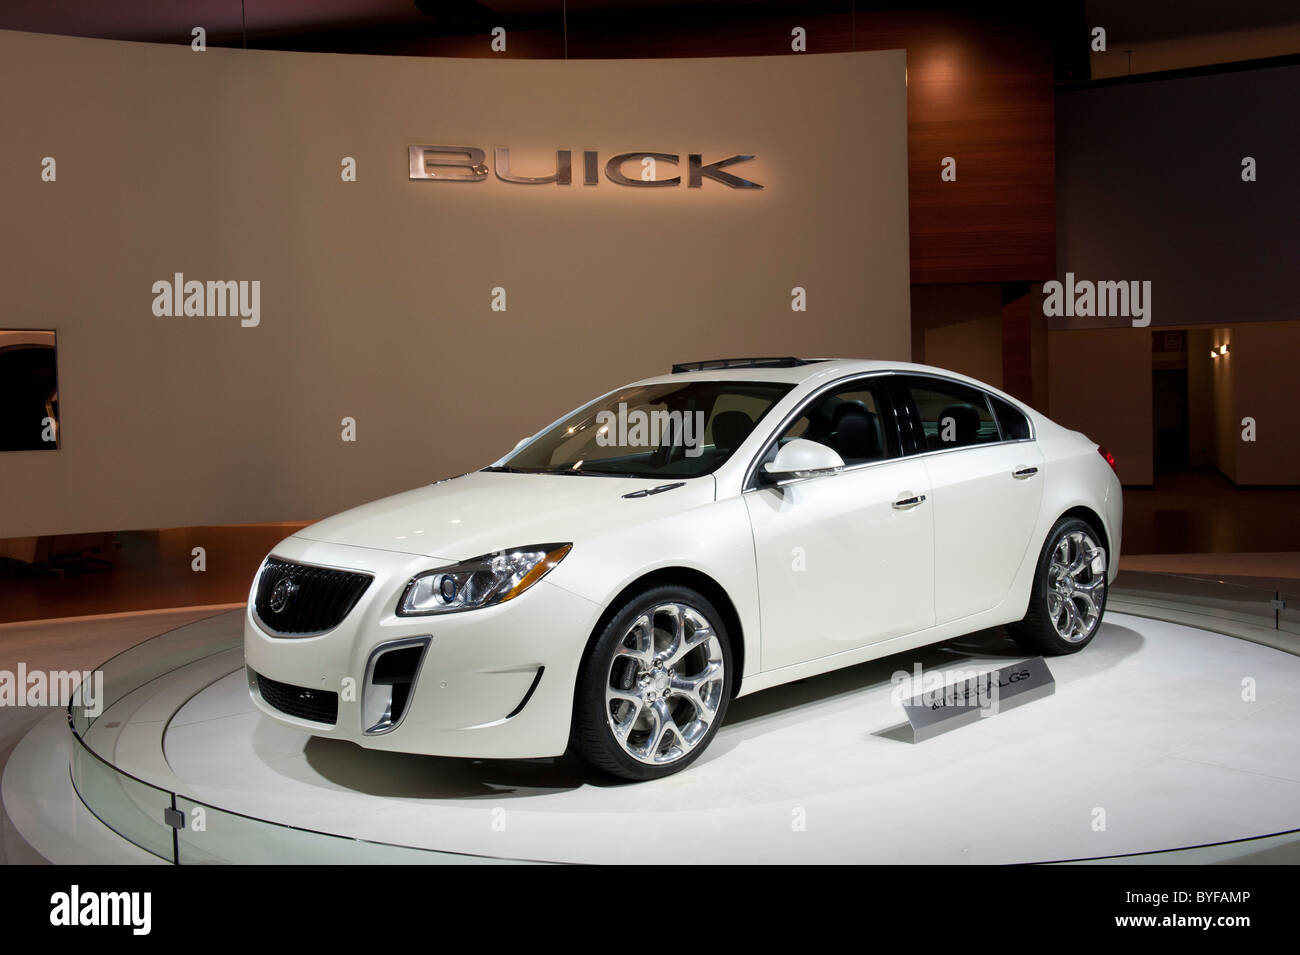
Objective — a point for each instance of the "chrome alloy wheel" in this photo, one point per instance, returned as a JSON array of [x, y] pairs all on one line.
[[1076, 586], [665, 684]]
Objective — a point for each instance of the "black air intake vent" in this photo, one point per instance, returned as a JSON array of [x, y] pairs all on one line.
[[299, 599], [318, 706]]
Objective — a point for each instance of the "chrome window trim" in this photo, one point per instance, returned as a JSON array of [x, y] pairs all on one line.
[[749, 483], [967, 447]]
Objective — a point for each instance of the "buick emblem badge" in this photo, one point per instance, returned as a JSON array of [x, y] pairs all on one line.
[[284, 590]]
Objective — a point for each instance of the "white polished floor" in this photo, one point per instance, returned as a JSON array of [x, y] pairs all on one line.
[[1148, 744]]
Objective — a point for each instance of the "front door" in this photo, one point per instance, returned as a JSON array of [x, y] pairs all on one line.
[[846, 559]]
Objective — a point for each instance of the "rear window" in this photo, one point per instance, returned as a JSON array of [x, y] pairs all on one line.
[[1011, 420], [953, 415]]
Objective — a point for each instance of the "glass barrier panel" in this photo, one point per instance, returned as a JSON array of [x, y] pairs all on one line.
[[138, 665], [226, 837], [1196, 595], [1288, 618], [77, 716], [131, 808]]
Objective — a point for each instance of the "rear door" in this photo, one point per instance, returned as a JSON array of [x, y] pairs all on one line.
[[986, 485]]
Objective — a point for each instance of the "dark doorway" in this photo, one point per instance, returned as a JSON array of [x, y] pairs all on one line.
[[1169, 392], [1169, 412]]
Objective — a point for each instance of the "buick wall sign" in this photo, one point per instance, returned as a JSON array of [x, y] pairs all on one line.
[[467, 164]]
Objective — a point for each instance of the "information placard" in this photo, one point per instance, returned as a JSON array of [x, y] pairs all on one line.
[[945, 708]]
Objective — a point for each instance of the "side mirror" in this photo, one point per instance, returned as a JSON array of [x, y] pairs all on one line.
[[802, 458]]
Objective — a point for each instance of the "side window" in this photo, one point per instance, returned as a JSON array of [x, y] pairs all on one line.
[[1011, 420], [855, 422], [953, 415]]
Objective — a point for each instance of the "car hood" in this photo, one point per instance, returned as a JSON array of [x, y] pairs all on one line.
[[486, 511]]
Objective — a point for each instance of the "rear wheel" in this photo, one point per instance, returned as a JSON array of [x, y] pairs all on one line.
[[1069, 592], [654, 689]]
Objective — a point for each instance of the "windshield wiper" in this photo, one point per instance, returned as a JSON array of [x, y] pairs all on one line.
[[586, 472], [651, 491], [582, 472]]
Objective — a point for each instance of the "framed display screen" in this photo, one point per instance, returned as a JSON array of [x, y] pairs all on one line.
[[29, 390]]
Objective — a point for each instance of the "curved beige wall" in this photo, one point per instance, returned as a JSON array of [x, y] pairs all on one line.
[[376, 295]]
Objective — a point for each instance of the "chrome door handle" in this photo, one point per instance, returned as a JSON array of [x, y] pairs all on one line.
[[1023, 473], [907, 503]]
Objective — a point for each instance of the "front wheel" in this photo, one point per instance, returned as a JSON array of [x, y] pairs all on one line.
[[1069, 592], [654, 688]]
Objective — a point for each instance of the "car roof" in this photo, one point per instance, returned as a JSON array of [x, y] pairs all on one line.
[[814, 371]]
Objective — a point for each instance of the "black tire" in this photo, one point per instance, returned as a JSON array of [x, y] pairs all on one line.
[[593, 735], [1040, 630]]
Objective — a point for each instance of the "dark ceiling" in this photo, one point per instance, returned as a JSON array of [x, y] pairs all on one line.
[[1144, 21], [168, 20], [263, 22]]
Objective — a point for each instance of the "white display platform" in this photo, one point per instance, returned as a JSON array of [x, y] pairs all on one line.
[[1148, 745]]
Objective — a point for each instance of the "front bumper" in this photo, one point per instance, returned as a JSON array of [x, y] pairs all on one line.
[[477, 670]]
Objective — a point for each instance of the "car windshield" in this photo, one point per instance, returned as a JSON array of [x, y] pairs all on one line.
[[671, 430]]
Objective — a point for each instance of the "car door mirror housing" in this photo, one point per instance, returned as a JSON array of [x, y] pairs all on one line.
[[802, 458]]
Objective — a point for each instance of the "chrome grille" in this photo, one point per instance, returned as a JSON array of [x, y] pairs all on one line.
[[300, 599]]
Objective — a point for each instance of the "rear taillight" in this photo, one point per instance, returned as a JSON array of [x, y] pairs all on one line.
[[1110, 458]]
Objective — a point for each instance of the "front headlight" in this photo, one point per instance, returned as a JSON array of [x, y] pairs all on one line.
[[480, 581]]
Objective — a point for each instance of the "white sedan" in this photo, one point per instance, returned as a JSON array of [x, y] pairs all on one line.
[[613, 582]]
